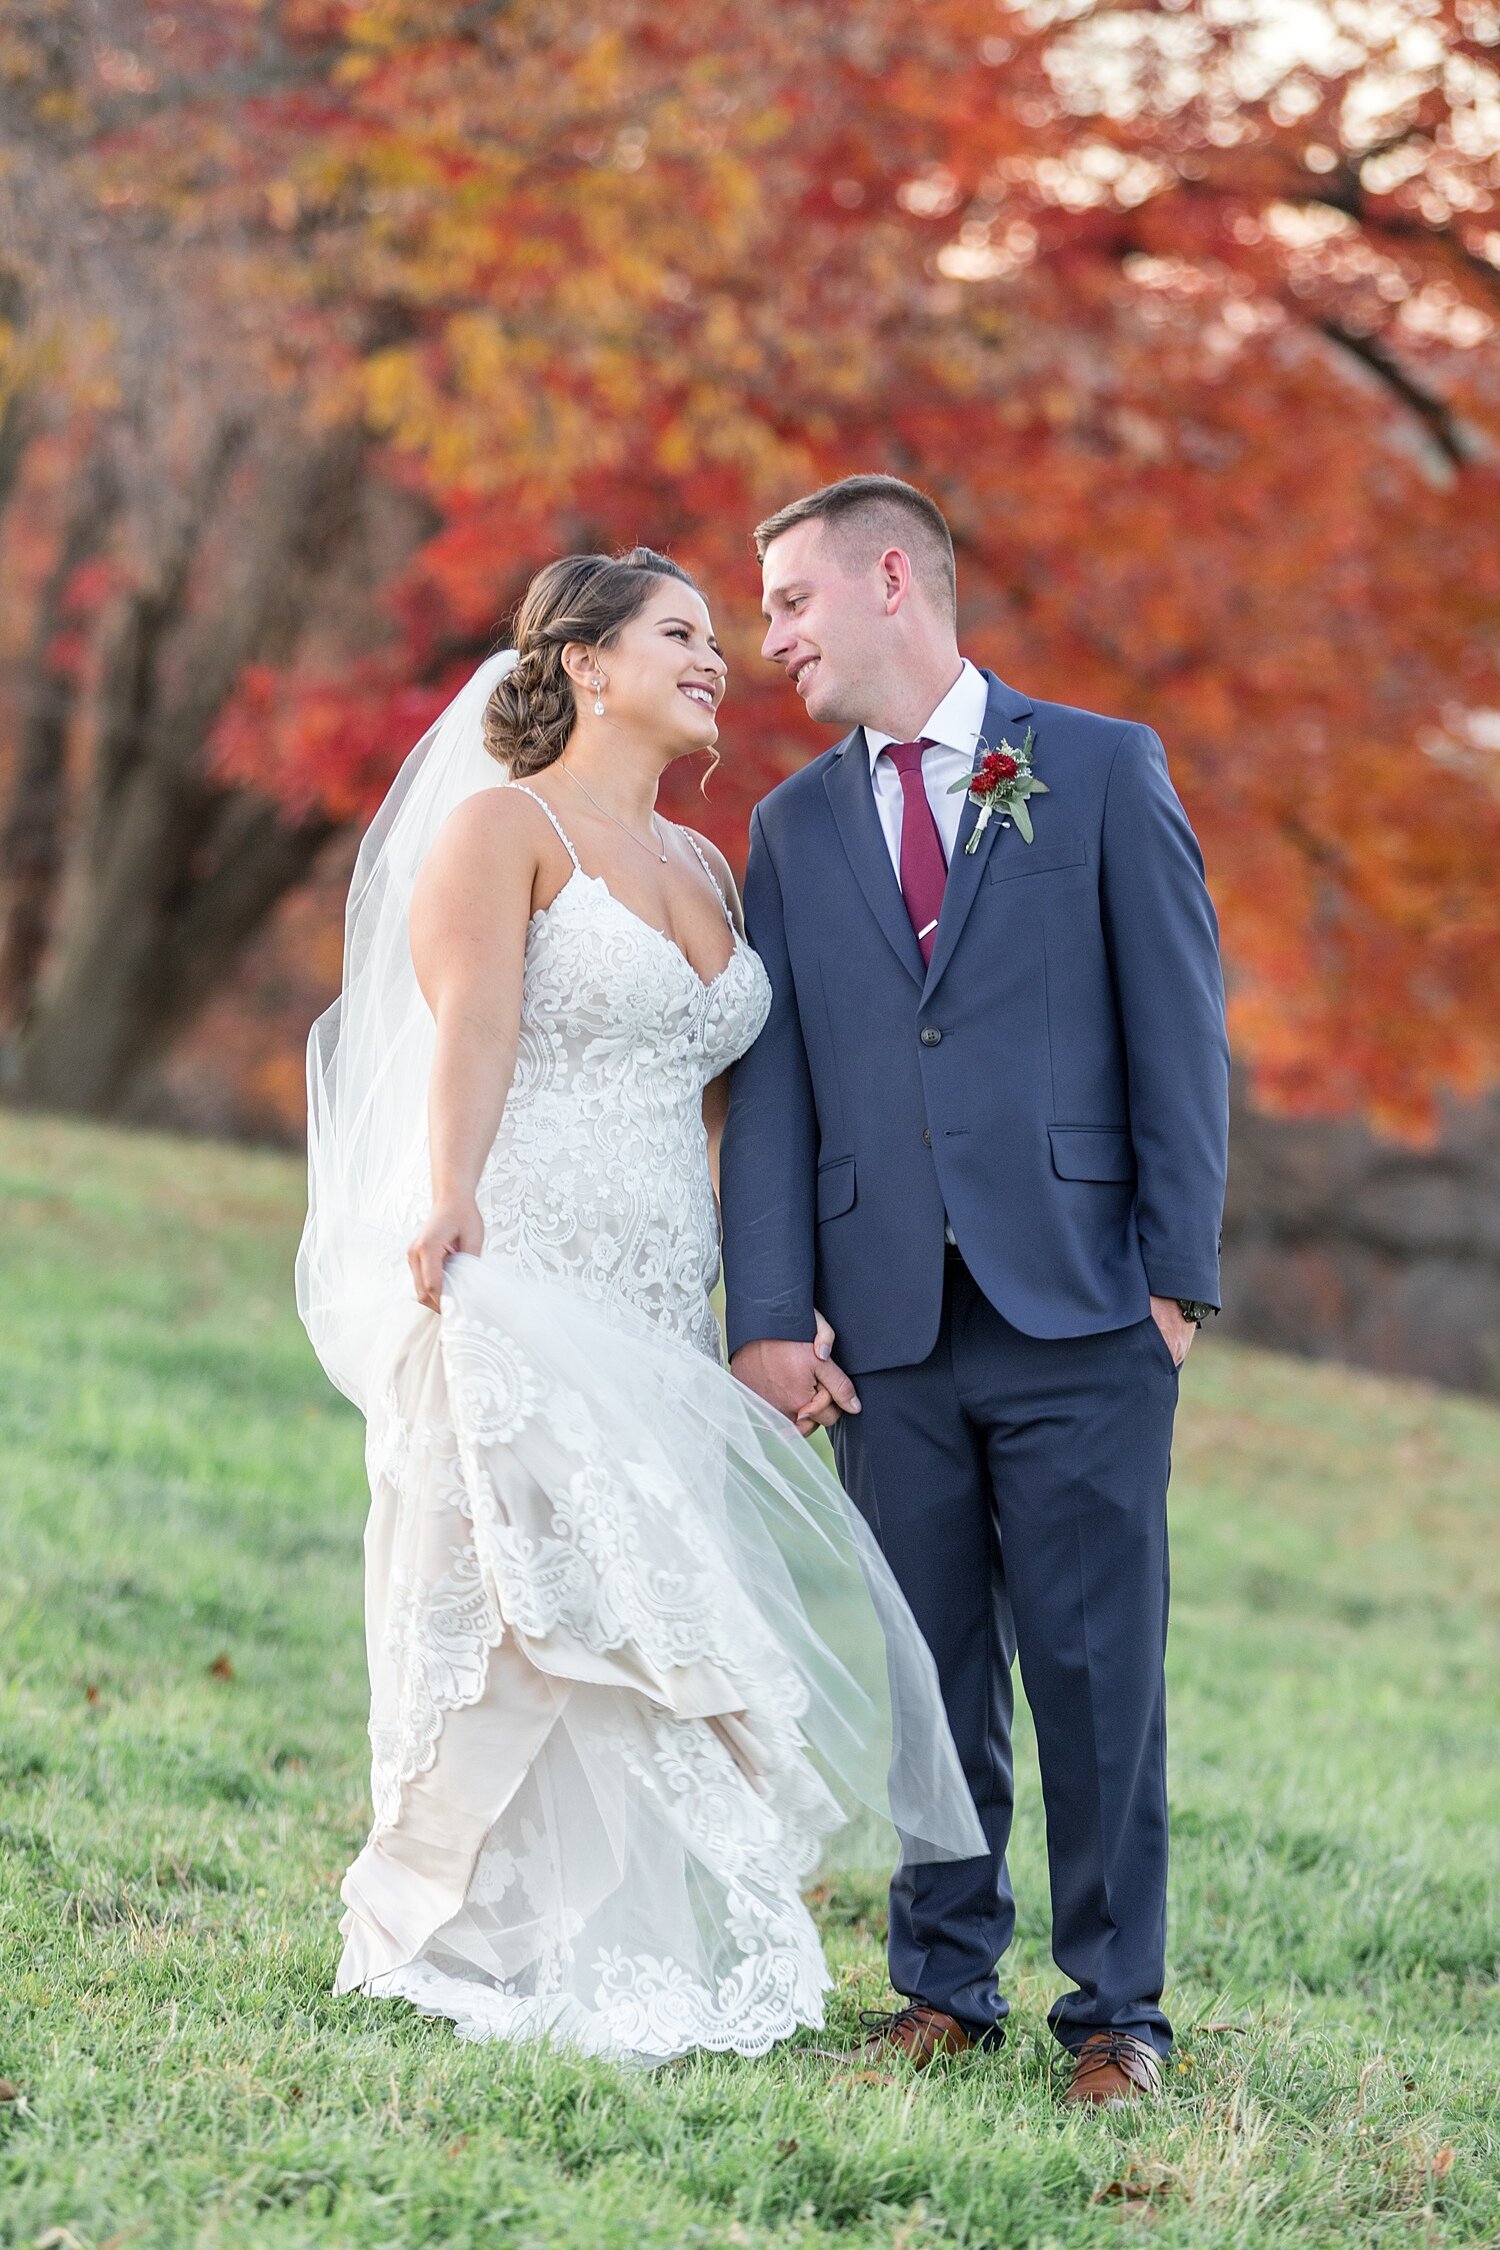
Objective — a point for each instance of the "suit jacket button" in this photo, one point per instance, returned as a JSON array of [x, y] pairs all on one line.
[[931, 1036], [926, 1136]]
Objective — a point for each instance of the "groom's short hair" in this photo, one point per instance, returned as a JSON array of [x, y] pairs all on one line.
[[867, 514]]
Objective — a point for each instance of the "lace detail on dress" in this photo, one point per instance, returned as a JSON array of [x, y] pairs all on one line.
[[547, 1569], [599, 1174], [549, 1531]]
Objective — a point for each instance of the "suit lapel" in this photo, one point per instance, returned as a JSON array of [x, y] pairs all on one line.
[[1006, 707], [852, 797]]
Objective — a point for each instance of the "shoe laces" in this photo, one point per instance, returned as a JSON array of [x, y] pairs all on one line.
[[1102, 2048], [887, 2019]]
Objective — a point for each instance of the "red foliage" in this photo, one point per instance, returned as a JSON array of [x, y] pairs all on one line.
[[1195, 340], [325, 740]]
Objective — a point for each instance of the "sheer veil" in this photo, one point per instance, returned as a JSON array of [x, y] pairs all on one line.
[[370, 1054]]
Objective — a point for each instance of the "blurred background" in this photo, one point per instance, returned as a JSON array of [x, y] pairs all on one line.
[[324, 322]]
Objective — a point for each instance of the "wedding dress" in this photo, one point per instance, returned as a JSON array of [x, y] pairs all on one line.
[[633, 1656]]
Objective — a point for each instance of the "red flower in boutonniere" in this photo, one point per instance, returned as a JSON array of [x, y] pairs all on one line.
[[995, 768], [1003, 780]]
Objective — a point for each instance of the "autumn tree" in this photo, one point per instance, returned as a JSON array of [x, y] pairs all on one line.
[[1193, 335]]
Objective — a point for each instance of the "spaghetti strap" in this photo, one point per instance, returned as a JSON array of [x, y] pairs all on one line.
[[567, 841], [708, 871]]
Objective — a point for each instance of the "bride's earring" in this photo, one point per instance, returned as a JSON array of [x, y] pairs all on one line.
[[598, 699]]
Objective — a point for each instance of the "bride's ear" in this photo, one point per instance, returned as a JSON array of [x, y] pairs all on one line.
[[581, 664]]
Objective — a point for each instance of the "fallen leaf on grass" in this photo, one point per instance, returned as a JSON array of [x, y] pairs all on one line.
[[784, 2149], [8, 2091], [1416, 2169], [91, 1693], [861, 2078], [1140, 2193], [221, 1669]]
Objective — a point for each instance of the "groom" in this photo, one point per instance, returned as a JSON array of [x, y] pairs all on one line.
[[984, 1132]]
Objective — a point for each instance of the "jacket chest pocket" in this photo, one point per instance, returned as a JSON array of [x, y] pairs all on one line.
[[1011, 855]]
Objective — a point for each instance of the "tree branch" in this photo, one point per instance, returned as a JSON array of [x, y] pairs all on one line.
[[1442, 424]]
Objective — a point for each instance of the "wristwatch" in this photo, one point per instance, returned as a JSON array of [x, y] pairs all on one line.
[[1190, 1309]]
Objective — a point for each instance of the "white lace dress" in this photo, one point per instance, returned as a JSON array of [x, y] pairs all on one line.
[[589, 1564]]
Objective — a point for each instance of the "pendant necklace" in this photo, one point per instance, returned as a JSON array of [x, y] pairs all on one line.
[[630, 832]]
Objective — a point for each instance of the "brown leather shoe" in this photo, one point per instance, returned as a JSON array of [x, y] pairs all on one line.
[[1112, 2068], [914, 2035]]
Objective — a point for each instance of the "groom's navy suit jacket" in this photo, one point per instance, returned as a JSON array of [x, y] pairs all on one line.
[[1056, 1081]]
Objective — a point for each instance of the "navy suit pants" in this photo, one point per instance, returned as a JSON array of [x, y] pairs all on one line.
[[1018, 1487]]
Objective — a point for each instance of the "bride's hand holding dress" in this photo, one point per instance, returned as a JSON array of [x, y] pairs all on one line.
[[453, 1227]]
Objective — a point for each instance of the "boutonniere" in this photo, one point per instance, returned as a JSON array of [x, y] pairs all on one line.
[[1002, 781]]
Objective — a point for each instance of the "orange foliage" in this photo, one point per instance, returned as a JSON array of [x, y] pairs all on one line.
[[1194, 338]]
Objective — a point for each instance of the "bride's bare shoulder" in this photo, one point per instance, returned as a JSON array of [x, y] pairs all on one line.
[[500, 821], [494, 859]]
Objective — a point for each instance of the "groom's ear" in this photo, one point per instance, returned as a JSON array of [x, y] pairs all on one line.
[[896, 578]]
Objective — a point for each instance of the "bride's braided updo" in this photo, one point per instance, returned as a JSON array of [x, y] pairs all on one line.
[[591, 598]]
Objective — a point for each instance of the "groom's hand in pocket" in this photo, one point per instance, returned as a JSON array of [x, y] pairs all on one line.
[[1177, 1332], [802, 1381]]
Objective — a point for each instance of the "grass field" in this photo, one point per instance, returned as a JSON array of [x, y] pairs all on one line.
[[182, 1781]]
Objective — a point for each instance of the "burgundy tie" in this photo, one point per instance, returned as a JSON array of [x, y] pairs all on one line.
[[924, 864]]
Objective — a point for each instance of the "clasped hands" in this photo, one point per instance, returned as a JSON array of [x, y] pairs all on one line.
[[802, 1381], [805, 1383]]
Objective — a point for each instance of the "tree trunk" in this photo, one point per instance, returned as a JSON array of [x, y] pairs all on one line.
[[17, 406], [16, 429], [31, 843], [169, 873]]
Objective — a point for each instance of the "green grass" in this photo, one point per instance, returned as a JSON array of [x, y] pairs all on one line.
[[180, 1487]]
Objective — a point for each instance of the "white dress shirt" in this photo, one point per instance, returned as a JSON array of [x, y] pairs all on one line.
[[954, 730]]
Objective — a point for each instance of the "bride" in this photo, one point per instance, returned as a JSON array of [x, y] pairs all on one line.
[[633, 1657]]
